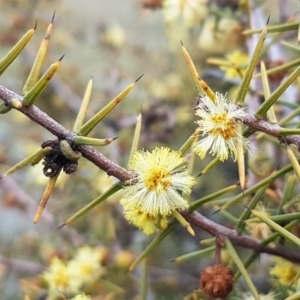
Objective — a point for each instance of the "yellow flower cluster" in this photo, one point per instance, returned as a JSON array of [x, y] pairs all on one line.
[[68, 278], [155, 193]]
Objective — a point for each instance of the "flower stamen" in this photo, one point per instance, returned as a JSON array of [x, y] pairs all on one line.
[[157, 179]]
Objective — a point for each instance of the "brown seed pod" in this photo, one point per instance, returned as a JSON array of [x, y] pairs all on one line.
[[216, 281]]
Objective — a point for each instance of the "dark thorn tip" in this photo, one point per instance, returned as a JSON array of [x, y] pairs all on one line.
[[200, 174], [268, 20], [61, 58], [53, 17], [278, 166], [197, 238], [35, 25], [181, 42], [114, 138], [247, 207], [61, 226], [215, 211], [139, 78], [285, 141]]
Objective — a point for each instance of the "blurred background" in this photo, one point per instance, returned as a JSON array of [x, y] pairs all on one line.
[[115, 42]]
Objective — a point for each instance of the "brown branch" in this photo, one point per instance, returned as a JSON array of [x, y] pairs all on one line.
[[270, 129], [244, 241], [111, 168]]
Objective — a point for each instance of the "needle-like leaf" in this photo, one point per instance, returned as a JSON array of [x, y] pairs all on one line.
[[37, 66], [32, 95], [90, 124], [84, 106], [45, 198], [16, 50]]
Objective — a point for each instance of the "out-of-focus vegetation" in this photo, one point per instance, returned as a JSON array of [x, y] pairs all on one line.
[[116, 42]]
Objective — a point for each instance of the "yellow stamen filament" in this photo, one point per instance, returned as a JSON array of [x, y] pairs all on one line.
[[228, 126], [157, 179]]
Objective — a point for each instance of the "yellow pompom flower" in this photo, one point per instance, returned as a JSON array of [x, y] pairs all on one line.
[[86, 263], [219, 126], [60, 280], [155, 192], [286, 272]]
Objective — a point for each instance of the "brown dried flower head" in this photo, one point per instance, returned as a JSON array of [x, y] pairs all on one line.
[[216, 281]]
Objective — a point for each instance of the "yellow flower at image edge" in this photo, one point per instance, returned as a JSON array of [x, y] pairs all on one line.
[[219, 127], [191, 12], [155, 192], [287, 273], [81, 297]]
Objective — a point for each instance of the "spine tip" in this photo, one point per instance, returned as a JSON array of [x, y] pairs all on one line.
[[139, 78], [61, 226], [53, 17]]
